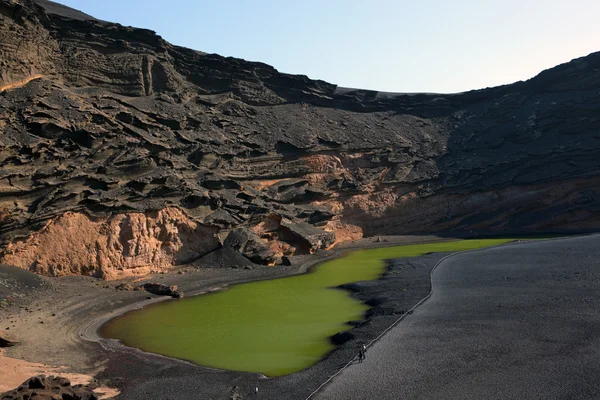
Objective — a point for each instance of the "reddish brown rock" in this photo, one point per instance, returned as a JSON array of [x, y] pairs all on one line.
[[121, 245]]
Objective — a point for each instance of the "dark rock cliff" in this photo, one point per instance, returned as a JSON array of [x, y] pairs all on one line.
[[98, 120]]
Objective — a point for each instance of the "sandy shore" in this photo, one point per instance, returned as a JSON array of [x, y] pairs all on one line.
[[57, 323]]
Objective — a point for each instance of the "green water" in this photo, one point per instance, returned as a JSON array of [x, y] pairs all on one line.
[[275, 327]]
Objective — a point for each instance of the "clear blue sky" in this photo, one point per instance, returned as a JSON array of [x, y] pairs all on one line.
[[389, 45]]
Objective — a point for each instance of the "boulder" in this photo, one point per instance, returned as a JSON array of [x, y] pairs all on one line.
[[250, 246], [302, 232], [292, 237], [162, 290]]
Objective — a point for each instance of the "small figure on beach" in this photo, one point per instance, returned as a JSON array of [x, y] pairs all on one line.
[[361, 353]]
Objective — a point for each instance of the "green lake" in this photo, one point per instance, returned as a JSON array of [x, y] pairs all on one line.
[[275, 327]]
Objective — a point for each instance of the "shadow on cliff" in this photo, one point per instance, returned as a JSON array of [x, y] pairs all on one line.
[[526, 161]]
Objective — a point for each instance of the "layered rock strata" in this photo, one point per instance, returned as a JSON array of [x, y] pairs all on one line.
[[121, 153]]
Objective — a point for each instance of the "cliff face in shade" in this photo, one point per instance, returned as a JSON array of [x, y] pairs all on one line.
[[104, 123]]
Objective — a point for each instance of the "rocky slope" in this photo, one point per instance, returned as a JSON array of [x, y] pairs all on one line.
[[121, 153]]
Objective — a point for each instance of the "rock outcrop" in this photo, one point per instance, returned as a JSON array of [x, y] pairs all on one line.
[[123, 153], [162, 290], [114, 247], [49, 387]]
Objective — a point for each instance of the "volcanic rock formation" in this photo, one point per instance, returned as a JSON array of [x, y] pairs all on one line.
[[123, 244], [49, 387], [121, 153], [162, 290]]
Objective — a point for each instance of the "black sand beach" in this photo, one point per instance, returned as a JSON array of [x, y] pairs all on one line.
[[514, 322]]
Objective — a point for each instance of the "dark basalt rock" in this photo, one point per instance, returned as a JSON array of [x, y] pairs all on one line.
[[285, 260], [37, 382], [250, 246], [162, 290], [49, 387], [221, 218], [226, 257], [306, 235], [129, 122]]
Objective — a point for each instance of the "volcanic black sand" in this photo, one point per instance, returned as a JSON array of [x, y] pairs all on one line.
[[514, 322], [17, 280]]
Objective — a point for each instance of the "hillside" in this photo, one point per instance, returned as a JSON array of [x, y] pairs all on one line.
[[121, 153]]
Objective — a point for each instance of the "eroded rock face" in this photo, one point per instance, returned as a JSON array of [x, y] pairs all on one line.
[[103, 124], [121, 245]]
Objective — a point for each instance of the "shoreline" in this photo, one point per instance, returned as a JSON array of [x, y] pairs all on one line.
[[90, 330], [73, 308], [83, 319]]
